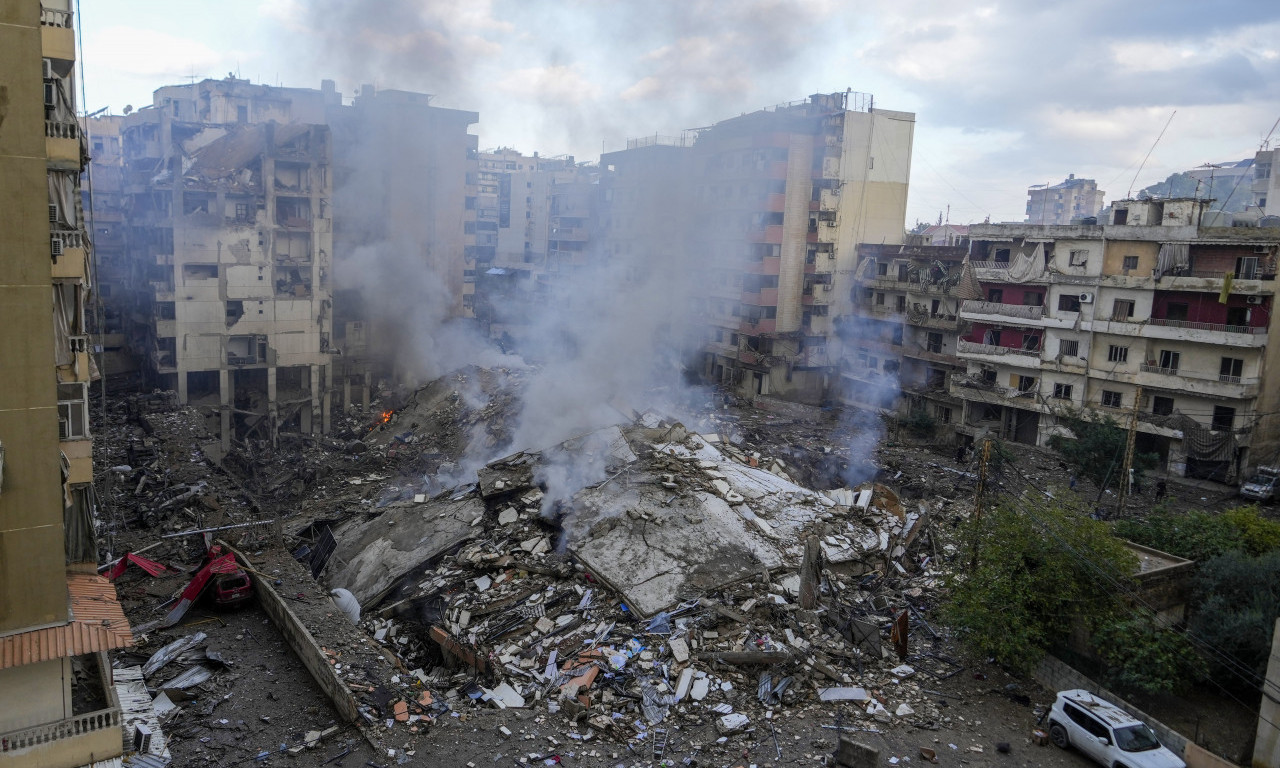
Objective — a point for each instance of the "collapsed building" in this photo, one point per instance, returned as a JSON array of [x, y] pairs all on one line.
[[228, 207]]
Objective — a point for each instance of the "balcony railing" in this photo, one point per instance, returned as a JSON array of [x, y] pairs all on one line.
[[974, 348], [1019, 311], [1157, 369], [35, 736], [52, 17], [989, 264], [1218, 327], [59, 129]]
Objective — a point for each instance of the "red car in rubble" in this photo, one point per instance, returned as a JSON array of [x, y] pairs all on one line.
[[231, 589]]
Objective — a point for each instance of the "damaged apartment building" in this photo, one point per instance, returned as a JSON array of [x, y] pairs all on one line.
[[230, 235], [58, 617], [534, 218], [234, 203], [786, 194], [1151, 318]]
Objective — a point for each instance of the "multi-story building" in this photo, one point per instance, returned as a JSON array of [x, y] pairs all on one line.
[[58, 618], [241, 201], [534, 218], [1265, 187], [1064, 202], [782, 196], [1148, 316], [230, 235], [901, 335]]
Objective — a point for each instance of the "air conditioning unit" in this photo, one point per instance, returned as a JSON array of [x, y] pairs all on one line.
[[1086, 298], [53, 214], [55, 247], [1253, 300], [48, 69], [64, 429]]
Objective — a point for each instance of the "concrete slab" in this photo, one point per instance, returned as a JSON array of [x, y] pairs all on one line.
[[379, 551]]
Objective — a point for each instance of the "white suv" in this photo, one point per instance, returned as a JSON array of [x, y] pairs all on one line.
[[1106, 733]]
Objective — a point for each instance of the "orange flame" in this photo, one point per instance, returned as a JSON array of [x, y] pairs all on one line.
[[386, 416]]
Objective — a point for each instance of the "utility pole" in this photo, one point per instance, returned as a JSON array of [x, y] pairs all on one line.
[[1128, 451], [977, 501]]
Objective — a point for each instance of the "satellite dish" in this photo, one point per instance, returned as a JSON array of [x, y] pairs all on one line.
[[128, 108]]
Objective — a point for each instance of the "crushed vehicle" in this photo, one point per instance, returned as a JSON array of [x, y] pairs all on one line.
[[1105, 733]]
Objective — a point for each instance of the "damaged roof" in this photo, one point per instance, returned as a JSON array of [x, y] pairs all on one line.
[[97, 624]]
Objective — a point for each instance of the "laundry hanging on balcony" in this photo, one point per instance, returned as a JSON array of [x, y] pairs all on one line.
[[1174, 258]]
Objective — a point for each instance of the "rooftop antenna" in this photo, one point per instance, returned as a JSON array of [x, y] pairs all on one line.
[[1129, 195]]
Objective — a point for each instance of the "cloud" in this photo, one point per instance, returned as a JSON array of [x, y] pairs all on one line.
[[149, 53]]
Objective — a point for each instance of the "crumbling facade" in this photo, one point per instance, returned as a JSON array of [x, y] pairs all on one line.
[[230, 234], [235, 207], [1069, 200], [58, 618], [899, 340], [786, 193], [1148, 318]]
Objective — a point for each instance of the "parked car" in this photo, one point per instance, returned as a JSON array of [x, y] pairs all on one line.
[[1106, 733], [1263, 485]]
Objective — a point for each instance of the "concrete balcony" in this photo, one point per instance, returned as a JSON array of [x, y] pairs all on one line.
[[755, 327], [991, 353], [1001, 314], [936, 322], [771, 234], [1182, 330], [65, 742], [766, 297], [818, 296], [769, 265], [57, 34], [994, 395], [1190, 383], [917, 352]]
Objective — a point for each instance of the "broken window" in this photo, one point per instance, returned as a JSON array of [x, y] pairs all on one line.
[[1162, 406], [1122, 309], [1062, 391], [199, 272], [1079, 258], [1033, 299], [1169, 360], [933, 343], [235, 310], [73, 410], [1111, 399], [1069, 302], [995, 295]]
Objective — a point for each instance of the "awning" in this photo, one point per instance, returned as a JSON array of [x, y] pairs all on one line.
[[97, 624]]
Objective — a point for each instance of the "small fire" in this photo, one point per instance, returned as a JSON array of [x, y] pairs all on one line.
[[386, 416]]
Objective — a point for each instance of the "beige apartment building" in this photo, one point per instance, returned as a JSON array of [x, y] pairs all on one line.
[[1149, 318], [784, 195], [58, 618]]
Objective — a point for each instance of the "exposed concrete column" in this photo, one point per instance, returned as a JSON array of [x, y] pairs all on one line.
[[364, 391], [225, 398], [346, 394], [326, 397], [181, 380], [273, 414]]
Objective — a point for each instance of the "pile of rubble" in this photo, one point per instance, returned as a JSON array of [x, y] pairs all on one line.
[[681, 591]]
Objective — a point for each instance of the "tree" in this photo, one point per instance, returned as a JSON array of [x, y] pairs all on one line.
[[1195, 535], [1097, 450], [1141, 654], [1041, 567], [1236, 601]]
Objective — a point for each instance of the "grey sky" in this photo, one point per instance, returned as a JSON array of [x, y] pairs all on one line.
[[1006, 94]]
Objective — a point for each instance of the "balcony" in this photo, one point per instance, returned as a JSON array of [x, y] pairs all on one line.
[[765, 297], [993, 312], [1190, 383], [52, 17], [995, 395], [936, 322], [771, 234], [769, 265], [991, 353], [917, 352], [57, 129], [99, 731], [753, 327]]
